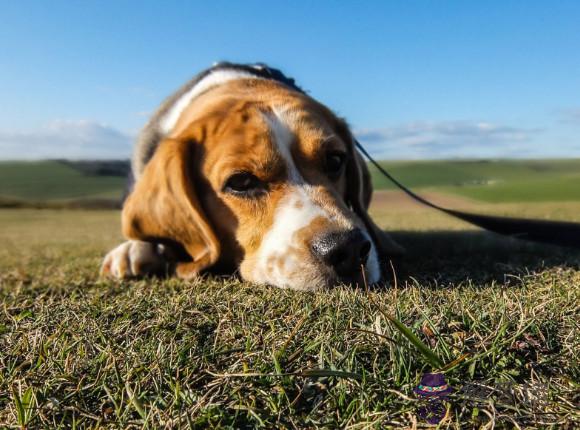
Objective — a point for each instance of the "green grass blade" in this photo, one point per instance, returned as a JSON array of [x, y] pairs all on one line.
[[425, 351], [20, 412], [136, 402]]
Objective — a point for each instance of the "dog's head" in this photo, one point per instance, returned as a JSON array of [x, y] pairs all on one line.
[[259, 177]]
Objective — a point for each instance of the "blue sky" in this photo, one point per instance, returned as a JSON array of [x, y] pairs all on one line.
[[415, 79]]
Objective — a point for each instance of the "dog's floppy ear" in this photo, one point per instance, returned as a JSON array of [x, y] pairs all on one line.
[[359, 193], [164, 206]]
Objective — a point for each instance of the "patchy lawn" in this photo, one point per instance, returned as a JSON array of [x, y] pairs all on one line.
[[76, 351]]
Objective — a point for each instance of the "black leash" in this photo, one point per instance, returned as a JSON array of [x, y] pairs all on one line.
[[552, 232]]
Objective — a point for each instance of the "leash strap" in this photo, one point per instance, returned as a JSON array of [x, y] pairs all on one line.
[[552, 232]]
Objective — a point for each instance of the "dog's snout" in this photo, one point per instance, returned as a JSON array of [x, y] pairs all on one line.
[[344, 251]]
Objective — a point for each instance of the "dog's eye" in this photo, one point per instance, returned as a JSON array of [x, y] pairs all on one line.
[[244, 184], [335, 164]]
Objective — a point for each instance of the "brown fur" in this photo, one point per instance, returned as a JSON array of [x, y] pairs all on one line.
[[164, 205]]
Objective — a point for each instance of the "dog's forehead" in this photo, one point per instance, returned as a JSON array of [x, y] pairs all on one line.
[[300, 127], [253, 107], [259, 125]]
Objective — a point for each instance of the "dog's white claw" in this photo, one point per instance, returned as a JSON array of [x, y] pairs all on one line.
[[134, 258]]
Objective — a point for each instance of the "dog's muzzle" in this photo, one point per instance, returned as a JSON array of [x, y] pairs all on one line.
[[346, 252]]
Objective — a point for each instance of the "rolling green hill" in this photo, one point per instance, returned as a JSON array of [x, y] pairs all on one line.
[[55, 180], [489, 181]]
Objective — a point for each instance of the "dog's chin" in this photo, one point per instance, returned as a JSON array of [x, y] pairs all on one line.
[[329, 282], [313, 278], [307, 279]]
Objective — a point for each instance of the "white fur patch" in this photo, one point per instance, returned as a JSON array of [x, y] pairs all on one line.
[[295, 212], [133, 258], [283, 138], [213, 79]]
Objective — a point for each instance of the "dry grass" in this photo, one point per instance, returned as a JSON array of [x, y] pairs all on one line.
[[79, 352]]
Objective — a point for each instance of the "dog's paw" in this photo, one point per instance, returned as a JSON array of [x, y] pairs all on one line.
[[134, 259]]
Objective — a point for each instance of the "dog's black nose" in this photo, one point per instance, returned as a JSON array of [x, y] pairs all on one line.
[[344, 251]]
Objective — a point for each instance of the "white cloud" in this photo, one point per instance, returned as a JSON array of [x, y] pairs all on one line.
[[83, 139], [570, 116], [448, 139], [79, 139]]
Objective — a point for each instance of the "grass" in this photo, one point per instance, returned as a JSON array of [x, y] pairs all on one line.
[[565, 188], [80, 352], [490, 181], [54, 180]]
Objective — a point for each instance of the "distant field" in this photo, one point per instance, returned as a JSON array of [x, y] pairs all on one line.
[[490, 181], [55, 180], [487, 181]]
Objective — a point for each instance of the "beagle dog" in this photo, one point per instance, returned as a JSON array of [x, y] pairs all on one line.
[[240, 170]]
